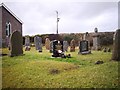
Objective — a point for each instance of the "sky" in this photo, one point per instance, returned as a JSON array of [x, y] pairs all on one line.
[[39, 17]]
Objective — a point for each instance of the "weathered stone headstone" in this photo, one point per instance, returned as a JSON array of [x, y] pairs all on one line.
[[72, 45], [105, 50], [83, 47], [47, 43], [51, 46], [96, 40], [109, 50], [38, 43], [65, 46], [16, 44], [57, 46], [85, 36], [116, 46], [27, 43]]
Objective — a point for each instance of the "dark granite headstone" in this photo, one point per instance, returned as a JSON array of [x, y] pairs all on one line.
[[16, 44], [57, 48], [83, 47], [38, 43]]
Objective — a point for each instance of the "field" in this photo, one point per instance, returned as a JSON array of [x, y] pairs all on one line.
[[40, 70]]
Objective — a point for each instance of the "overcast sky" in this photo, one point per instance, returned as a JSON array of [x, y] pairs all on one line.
[[75, 17]]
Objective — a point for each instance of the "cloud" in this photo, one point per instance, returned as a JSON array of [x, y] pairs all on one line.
[[75, 17]]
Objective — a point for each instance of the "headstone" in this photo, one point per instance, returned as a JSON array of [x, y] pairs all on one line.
[[57, 48], [109, 50], [105, 50], [85, 36], [51, 46], [96, 40], [83, 47], [116, 46], [65, 46], [38, 43], [27, 43], [16, 44], [72, 45], [47, 43]]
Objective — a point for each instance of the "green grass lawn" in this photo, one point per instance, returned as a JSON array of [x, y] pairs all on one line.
[[33, 70]]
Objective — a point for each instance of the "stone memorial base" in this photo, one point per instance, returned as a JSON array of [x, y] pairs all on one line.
[[85, 52], [62, 56]]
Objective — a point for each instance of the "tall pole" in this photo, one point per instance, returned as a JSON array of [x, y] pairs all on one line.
[[57, 21]]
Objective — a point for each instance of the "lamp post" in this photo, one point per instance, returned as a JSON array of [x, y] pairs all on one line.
[[57, 21]]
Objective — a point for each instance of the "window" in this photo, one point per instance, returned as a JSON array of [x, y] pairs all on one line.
[[8, 29]]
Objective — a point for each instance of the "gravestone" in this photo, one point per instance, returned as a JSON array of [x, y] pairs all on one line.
[[47, 43], [65, 46], [109, 50], [27, 43], [72, 45], [96, 40], [86, 36], [83, 47], [51, 46], [16, 44], [116, 46], [38, 43], [105, 50], [57, 48]]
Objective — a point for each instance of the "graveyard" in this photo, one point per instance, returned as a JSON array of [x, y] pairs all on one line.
[[39, 70], [59, 64], [68, 60]]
